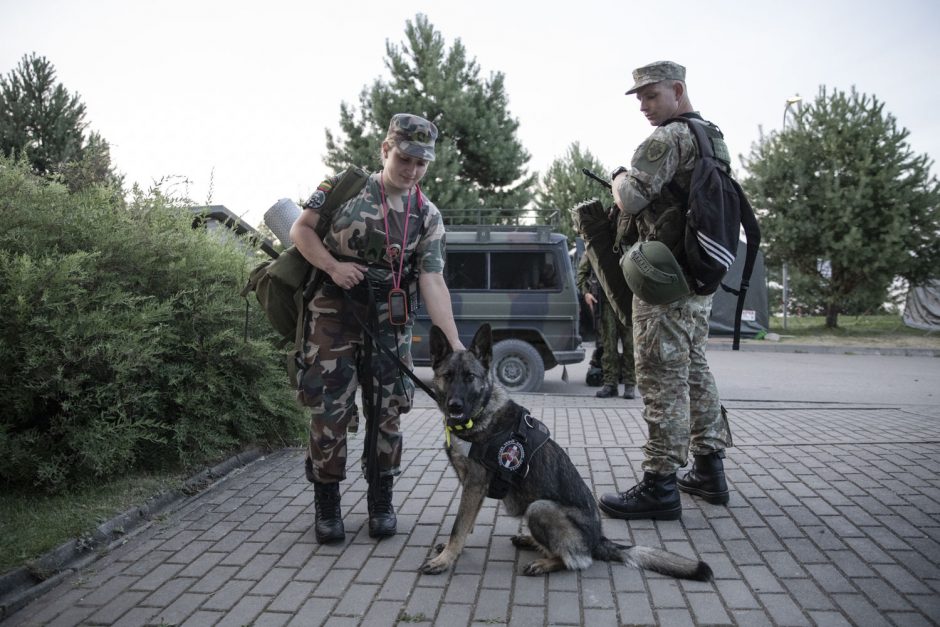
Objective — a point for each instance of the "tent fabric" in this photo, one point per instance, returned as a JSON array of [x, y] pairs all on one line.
[[922, 309], [756, 316]]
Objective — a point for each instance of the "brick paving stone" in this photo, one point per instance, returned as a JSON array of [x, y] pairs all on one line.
[[203, 618], [314, 612], [135, 616], [737, 595], [529, 591], [635, 608], [527, 616], [357, 599], [271, 619], [228, 594], [492, 606], [859, 610], [675, 617], [706, 609], [424, 602], [180, 609], [783, 564], [111, 611], [245, 611], [810, 595], [881, 594], [335, 582], [168, 592], [850, 563], [564, 608], [462, 589], [666, 593], [783, 610], [829, 619]]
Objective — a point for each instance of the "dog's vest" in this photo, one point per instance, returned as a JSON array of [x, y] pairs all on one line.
[[509, 453]]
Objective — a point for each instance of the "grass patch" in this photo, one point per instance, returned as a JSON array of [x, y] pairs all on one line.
[[32, 524], [879, 330]]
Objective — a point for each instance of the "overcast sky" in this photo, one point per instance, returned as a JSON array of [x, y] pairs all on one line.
[[234, 98]]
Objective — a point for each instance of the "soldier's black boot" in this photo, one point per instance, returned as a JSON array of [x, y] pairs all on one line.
[[655, 497], [707, 478], [328, 522], [382, 520], [607, 391], [629, 391]]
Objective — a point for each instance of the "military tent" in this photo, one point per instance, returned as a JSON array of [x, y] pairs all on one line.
[[922, 309], [755, 317]]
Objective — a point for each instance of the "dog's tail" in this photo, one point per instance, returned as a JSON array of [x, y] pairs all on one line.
[[656, 560]]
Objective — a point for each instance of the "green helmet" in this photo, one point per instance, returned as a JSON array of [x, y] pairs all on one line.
[[653, 274]]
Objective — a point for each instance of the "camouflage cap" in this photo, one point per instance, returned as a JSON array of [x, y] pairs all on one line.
[[655, 72], [413, 135]]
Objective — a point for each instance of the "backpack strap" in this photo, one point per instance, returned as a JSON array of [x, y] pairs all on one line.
[[748, 219]]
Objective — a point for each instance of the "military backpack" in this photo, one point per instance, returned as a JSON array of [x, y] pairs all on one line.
[[280, 284], [716, 209]]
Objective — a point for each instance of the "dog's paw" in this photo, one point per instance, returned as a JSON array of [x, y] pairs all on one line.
[[542, 566], [436, 566], [439, 547], [524, 542]]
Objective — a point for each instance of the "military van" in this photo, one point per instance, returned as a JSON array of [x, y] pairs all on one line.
[[520, 280]]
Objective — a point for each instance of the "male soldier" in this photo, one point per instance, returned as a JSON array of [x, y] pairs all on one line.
[[610, 332], [680, 398]]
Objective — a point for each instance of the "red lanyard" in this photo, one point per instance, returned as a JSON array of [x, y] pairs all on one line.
[[396, 278]]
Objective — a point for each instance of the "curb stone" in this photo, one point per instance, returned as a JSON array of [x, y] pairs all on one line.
[[25, 583]]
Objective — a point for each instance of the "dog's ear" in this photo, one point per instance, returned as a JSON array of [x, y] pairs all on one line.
[[440, 346], [482, 345]]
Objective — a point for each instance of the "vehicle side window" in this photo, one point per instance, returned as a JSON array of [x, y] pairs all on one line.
[[523, 271], [465, 271]]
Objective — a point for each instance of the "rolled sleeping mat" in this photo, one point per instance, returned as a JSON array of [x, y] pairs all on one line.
[[280, 217], [599, 232]]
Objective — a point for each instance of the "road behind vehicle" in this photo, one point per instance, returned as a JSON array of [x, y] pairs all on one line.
[[520, 280]]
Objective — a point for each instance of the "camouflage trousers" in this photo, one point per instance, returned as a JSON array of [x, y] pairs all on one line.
[[333, 370], [614, 363], [682, 409]]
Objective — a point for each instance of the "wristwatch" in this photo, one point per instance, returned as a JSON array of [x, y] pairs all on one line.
[[616, 172]]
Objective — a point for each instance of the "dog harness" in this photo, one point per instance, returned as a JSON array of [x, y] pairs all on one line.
[[509, 453]]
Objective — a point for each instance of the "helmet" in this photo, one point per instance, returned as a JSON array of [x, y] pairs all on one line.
[[653, 273]]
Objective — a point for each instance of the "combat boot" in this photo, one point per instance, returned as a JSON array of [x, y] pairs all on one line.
[[328, 521], [655, 497], [607, 391], [707, 478], [382, 520], [629, 391]]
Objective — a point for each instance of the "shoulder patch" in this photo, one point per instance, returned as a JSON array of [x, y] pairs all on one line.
[[318, 197], [655, 150]]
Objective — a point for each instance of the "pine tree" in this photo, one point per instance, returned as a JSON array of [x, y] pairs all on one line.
[[845, 201], [480, 166], [564, 185], [42, 122]]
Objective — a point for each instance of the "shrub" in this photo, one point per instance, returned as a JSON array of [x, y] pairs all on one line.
[[122, 338]]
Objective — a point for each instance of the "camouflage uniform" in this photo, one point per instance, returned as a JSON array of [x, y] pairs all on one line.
[[612, 332], [682, 408], [334, 347]]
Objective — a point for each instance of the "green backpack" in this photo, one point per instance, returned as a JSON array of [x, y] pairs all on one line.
[[279, 284]]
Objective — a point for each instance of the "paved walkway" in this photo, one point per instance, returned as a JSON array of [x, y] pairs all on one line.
[[834, 520]]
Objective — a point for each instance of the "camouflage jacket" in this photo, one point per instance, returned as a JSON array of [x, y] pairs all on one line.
[[667, 156], [358, 232]]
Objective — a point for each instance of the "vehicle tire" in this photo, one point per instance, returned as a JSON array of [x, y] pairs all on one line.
[[518, 366]]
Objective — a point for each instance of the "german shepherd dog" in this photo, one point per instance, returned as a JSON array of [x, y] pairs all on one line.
[[561, 513]]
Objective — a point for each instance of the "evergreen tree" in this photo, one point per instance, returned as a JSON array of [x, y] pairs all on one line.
[[480, 166], [845, 201], [40, 120], [564, 185]]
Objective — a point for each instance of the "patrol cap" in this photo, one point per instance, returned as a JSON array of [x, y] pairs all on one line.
[[413, 135], [653, 273], [655, 72]]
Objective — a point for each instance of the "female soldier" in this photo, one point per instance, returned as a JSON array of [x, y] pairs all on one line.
[[383, 244]]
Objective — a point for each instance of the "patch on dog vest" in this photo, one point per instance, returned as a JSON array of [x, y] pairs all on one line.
[[509, 453]]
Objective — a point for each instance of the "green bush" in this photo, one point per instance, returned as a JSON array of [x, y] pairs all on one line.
[[122, 339]]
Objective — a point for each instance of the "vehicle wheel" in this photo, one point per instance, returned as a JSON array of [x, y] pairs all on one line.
[[518, 366]]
